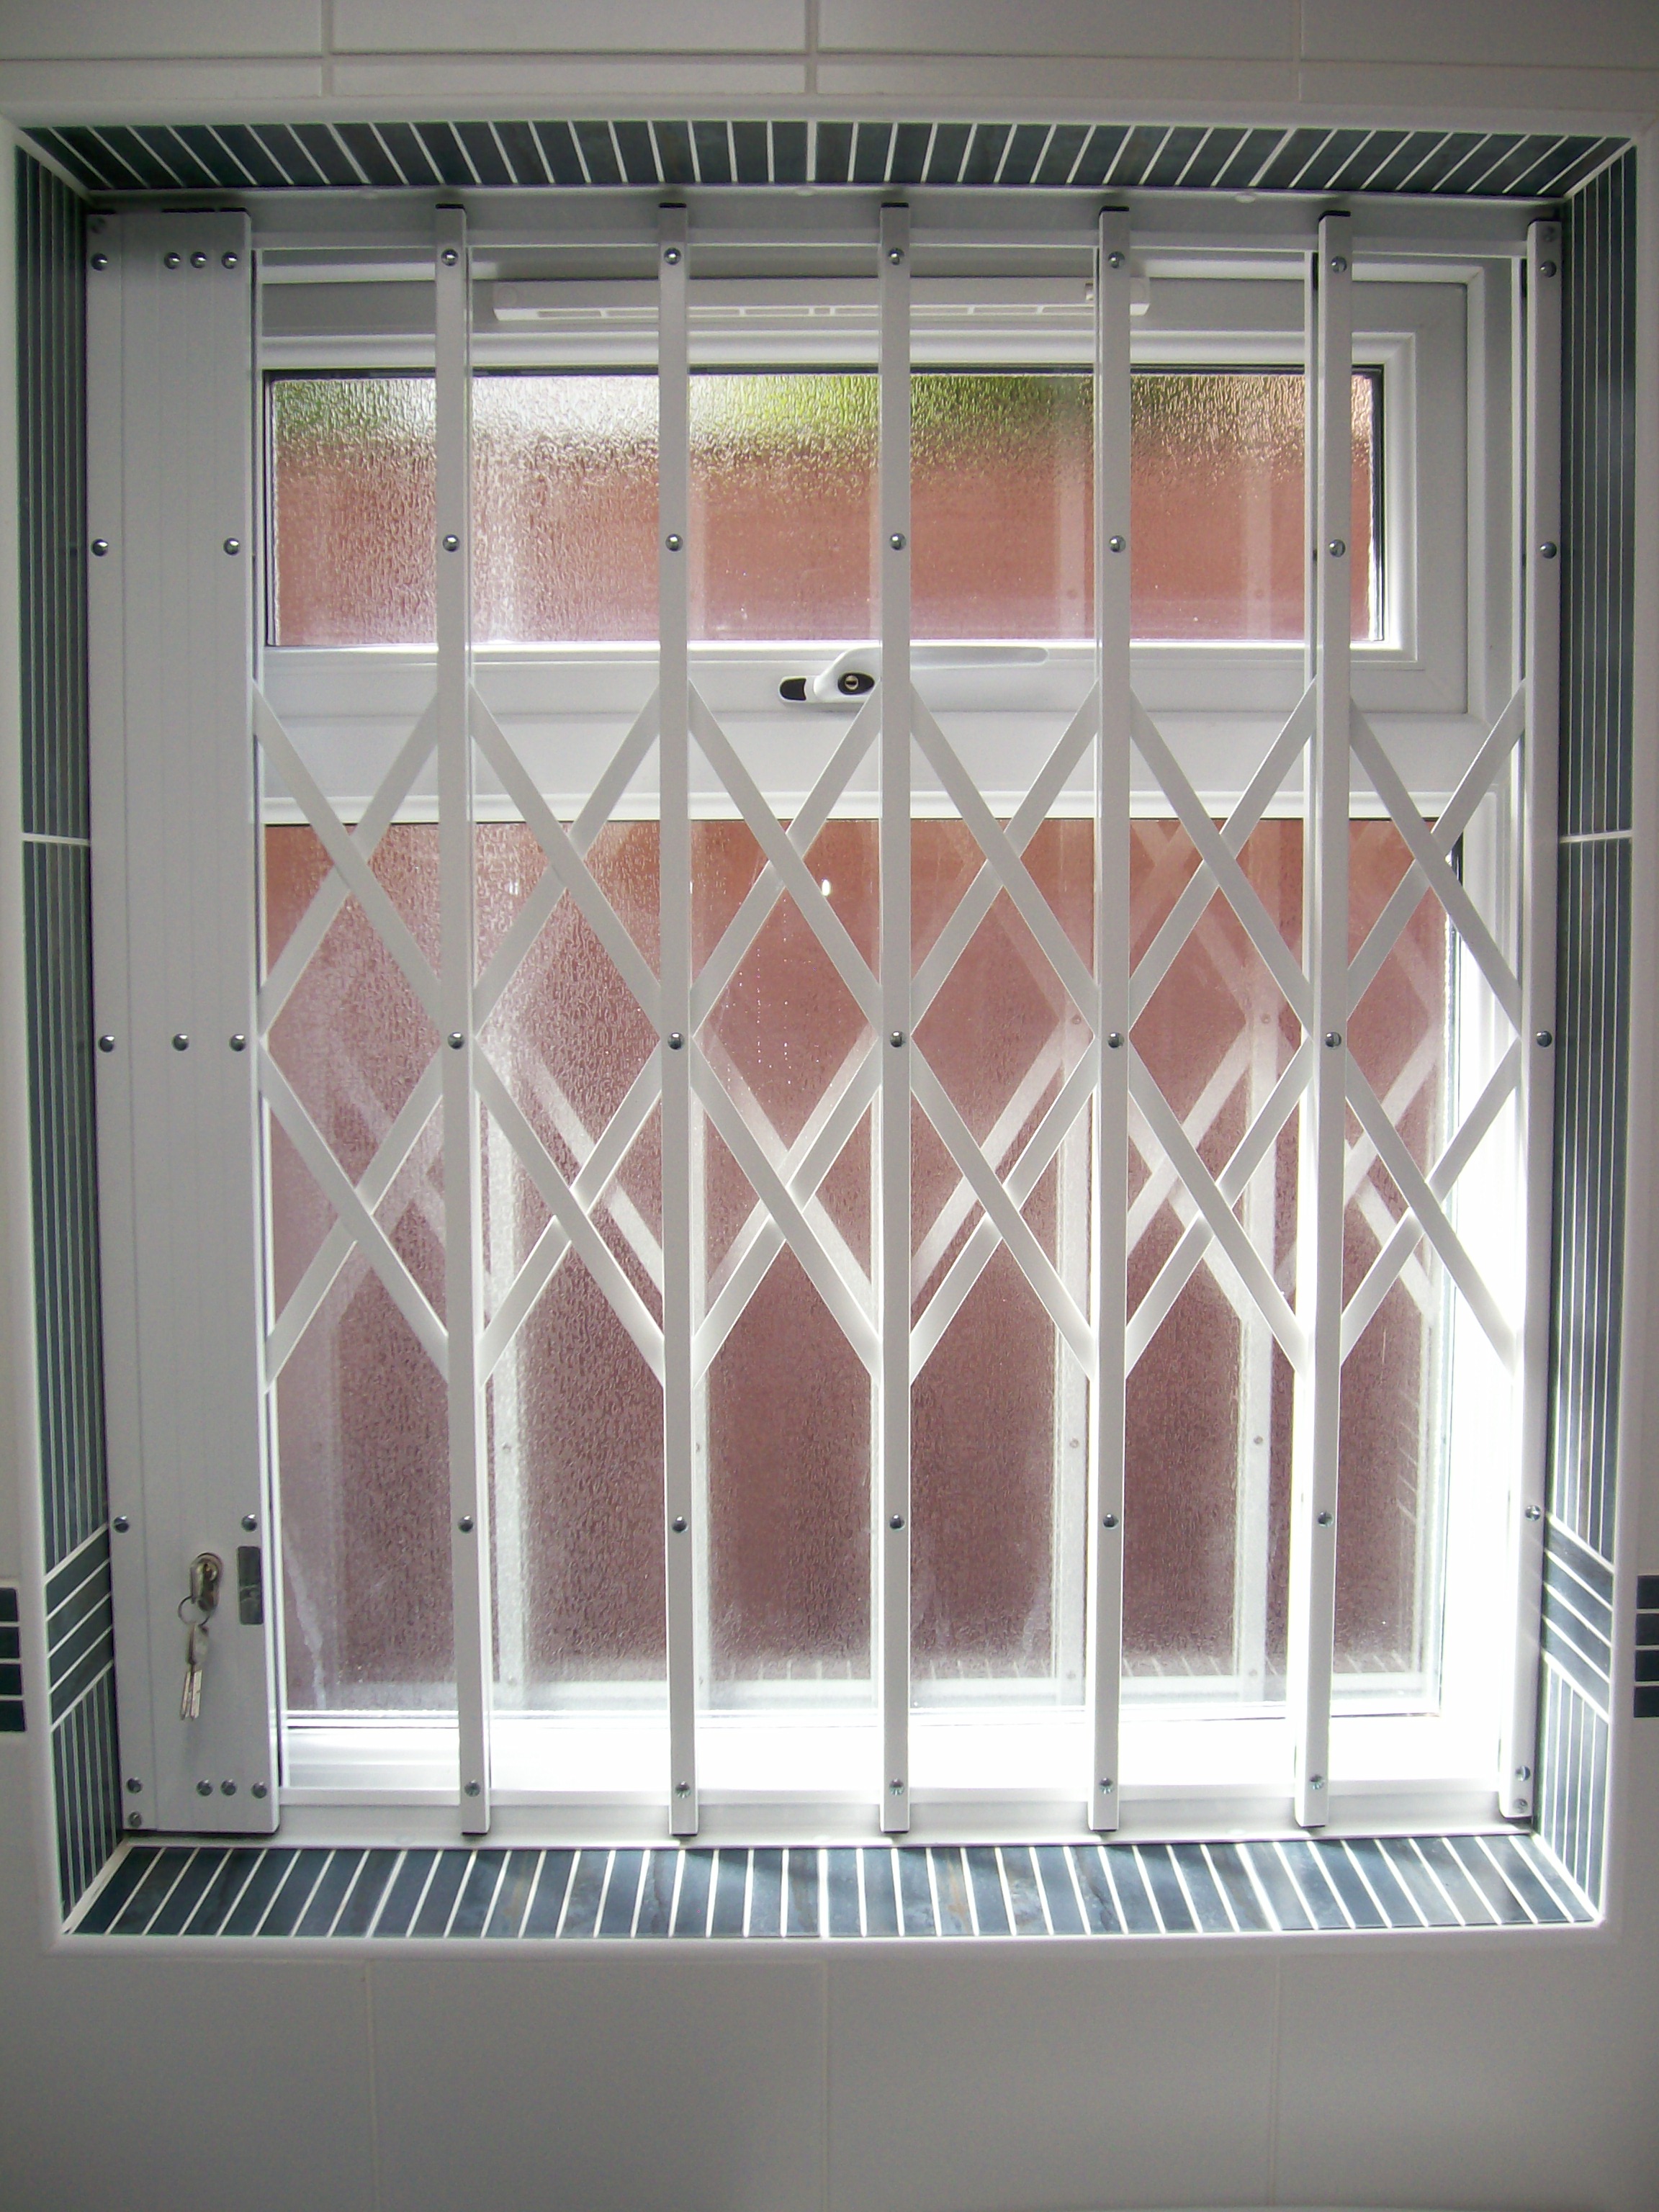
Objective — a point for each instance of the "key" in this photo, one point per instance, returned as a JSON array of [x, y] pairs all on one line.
[[190, 1704]]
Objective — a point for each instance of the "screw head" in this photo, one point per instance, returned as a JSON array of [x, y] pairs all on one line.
[[1325, 1519], [250, 1522], [1333, 1038], [259, 1789], [204, 1790], [673, 541], [896, 1788], [675, 1041], [230, 260], [465, 1524], [1109, 1520], [671, 254], [172, 261], [1545, 1039], [896, 1039], [450, 256], [1339, 264], [457, 1039], [100, 261], [106, 1042], [452, 542], [1115, 261], [134, 1785], [1337, 548], [681, 1789], [181, 1041], [678, 1524], [1524, 1774], [1115, 544], [239, 1041], [1549, 548], [232, 545], [99, 547], [226, 1789], [473, 1790], [135, 1820], [1106, 1785], [120, 1524], [895, 253], [895, 1521], [1533, 1513], [1315, 1781], [896, 541], [1114, 1040], [1546, 269], [198, 261]]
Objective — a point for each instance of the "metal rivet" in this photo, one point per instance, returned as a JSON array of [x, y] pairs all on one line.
[[450, 256], [204, 1790], [1106, 1785], [678, 1524], [106, 1042], [671, 254], [226, 1789], [472, 1789], [250, 1522], [239, 1041], [1545, 1039], [134, 1785], [896, 1522], [1524, 1774], [99, 547], [100, 261], [181, 1041], [1534, 1513], [675, 1042], [896, 541], [452, 542], [1549, 548], [1315, 1781], [1115, 261], [230, 260], [172, 261], [1339, 263], [456, 1040], [673, 541], [896, 1039], [895, 253], [1325, 1519], [896, 1788], [120, 1524], [1546, 269], [232, 545], [1109, 1520], [198, 261], [1115, 544], [681, 1789], [465, 1525], [259, 1789], [135, 1820], [1333, 1038], [1337, 548], [1114, 1040]]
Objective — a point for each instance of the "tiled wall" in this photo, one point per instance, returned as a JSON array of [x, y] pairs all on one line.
[[57, 951], [1593, 1009]]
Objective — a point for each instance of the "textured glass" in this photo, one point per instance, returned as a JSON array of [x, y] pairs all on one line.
[[999, 1413], [1217, 519], [784, 537], [787, 1399], [363, 1440], [1209, 1399]]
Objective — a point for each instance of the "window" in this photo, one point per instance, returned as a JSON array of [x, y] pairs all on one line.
[[823, 1238]]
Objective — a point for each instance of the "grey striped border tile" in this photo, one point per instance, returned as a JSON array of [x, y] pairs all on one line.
[[1572, 1781], [12, 1717], [1647, 1648], [158, 157], [912, 1892]]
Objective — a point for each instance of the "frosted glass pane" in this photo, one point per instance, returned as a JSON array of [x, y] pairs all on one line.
[[783, 536]]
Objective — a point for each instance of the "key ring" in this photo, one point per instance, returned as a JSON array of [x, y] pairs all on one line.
[[203, 1613]]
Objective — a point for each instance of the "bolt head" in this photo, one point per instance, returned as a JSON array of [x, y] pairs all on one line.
[[1315, 1781], [1534, 1513], [896, 1788], [106, 1042], [120, 1524], [1114, 1040], [1546, 269], [134, 1785], [226, 1789], [232, 545], [204, 1790], [896, 541], [1549, 548], [681, 1789], [181, 1041], [465, 1524], [1109, 1520], [678, 1524], [450, 256], [100, 261], [671, 254], [198, 261], [1333, 1038], [250, 1522], [895, 1521], [172, 261], [675, 1041], [457, 1039], [895, 253], [259, 1789], [99, 547], [1337, 548], [473, 1790], [896, 1039], [1339, 263], [1115, 544], [1524, 1774], [452, 542], [673, 541], [1115, 261], [1545, 1039], [1106, 1785], [135, 1820], [1325, 1519], [230, 260]]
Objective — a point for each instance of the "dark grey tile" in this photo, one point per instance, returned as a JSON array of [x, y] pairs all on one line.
[[1504, 1906], [655, 1914], [1309, 1874], [1133, 1898], [254, 1900], [915, 1890], [147, 1901], [801, 1893], [1227, 1862], [1523, 1880], [441, 1891], [956, 1915], [187, 1894], [1284, 1899], [1448, 1870], [1207, 1902], [1345, 1879], [731, 1894], [622, 1893], [1054, 1872], [1099, 1902], [697, 1880], [1173, 1910], [287, 1906], [1025, 1895], [324, 1906], [364, 1898], [581, 1910], [1397, 1905], [1414, 1878], [547, 1905], [231, 1877], [397, 1913], [989, 1904], [842, 1890]]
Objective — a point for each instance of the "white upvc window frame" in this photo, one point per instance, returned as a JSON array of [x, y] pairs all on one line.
[[1430, 682]]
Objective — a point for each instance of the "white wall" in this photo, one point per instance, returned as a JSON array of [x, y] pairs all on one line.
[[1500, 2072]]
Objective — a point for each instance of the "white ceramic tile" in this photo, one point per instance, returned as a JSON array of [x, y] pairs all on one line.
[[1542, 34], [413, 27], [618, 2082], [1491, 96], [89, 29], [987, 2078], [1050, 89], [1189, 30], [417, 86], [160, 92]]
